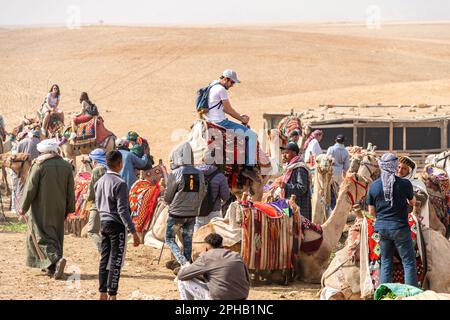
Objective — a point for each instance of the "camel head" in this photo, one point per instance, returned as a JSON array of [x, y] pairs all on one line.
[[289, 124], [355, 187], [368, 167], [20, 163], [324, 164]]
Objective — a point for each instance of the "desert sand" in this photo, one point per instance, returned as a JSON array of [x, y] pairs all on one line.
[[145, 79]]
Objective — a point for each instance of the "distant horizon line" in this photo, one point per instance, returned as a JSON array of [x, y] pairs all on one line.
[[218, 25]]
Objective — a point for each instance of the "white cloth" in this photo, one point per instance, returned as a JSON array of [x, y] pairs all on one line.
[[313, 148], [216, 94], [193, 290], [48, 146]]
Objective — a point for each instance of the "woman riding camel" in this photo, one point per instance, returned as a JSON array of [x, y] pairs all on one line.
[[88, 111], [51, 106]]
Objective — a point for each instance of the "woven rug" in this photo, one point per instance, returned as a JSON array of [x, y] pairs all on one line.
[[375, 254], [143, 199], [269, 242]]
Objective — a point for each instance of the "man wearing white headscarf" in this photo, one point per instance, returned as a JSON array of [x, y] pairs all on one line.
[[47, 199], [407, 169], [388, 201]]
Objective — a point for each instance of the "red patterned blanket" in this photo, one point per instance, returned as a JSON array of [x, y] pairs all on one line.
[[143, 200], [82, 182], [375, 257]]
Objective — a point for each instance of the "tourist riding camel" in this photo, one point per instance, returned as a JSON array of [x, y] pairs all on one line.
[[48, 198], [312, 147], [88, 111], [51, 107], [225, 275], [297, 180], [388, 201], [219, 105]]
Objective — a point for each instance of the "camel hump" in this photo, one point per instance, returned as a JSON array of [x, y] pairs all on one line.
[[202, 232]]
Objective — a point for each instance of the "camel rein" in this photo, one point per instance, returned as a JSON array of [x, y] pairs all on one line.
[[357, 183]]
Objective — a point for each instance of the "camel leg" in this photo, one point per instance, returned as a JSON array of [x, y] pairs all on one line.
[[5, 179]]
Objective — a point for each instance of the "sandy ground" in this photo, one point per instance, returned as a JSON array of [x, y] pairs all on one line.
[[145, 79], [141, 273]]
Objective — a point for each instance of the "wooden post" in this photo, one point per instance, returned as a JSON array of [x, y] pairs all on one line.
[[444, 135], [355, 133], [404, 138], [391, 136]]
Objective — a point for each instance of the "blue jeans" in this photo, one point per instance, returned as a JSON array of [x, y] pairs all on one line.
[[187, 226], [402, 240], [252, 139]]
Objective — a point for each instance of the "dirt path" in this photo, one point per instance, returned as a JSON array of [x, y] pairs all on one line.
[[141, 272]]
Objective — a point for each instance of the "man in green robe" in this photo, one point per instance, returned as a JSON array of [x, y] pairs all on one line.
[[47, 199]]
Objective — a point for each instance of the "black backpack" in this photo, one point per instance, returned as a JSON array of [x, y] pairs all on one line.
[[208, 201], [201, 103], [92, 110]]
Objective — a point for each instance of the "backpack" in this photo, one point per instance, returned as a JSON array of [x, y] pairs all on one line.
[[201, 103], [92, 110], [208, 202]]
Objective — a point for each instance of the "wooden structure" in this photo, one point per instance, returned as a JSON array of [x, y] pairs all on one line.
[[413, 130]]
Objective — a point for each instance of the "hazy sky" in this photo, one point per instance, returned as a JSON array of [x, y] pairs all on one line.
[[46, 12]]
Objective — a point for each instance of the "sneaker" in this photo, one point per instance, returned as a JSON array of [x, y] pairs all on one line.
[[251, 174], [176, 270], [172, 264], [60, 265]]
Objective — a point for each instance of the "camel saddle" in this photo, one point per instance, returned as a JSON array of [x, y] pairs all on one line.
[[90, 132], [310, 247], [207, 137]]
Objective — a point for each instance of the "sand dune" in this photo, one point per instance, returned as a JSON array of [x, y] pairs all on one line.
[[145, 79]]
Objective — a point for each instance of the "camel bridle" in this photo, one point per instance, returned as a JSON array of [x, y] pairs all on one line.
[[367, 164], [354, 199]]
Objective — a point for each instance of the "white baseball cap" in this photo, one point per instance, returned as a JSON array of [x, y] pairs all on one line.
[[231, 75]]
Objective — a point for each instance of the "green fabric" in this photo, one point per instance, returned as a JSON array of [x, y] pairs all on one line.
[[132, 136], [394, 290], [96, 174], [48, 197], [137, 150]]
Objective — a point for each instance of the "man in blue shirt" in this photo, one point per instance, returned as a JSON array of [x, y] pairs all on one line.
[[388, 201], [130, 163]]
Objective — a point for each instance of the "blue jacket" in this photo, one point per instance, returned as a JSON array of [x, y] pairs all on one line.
[[131, 162]]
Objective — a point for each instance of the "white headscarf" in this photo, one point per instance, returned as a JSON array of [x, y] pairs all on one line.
[[48, 146]]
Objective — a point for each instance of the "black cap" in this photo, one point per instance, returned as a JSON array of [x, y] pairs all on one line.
[[340, 138], [292, 146]]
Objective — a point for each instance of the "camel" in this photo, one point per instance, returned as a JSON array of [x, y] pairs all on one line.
[[207, 141], [70, 151], [322, 181], [437, 214], [441, 160], [310, 267], [279, 137], [342, 279]]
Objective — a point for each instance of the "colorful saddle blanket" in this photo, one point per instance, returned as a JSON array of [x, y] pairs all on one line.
[[143, 199], [375, 257], [82, 182], [92, 131], [234, 155], [269, 241]]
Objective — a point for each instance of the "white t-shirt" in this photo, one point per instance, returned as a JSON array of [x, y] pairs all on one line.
[[216, 94], [52, 101], [314, 148]]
